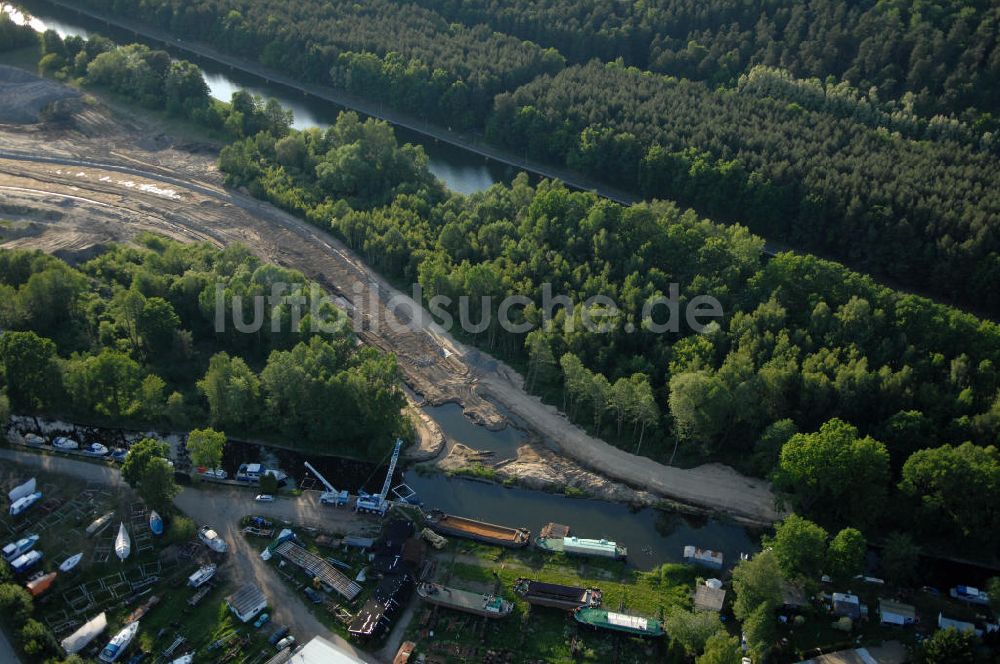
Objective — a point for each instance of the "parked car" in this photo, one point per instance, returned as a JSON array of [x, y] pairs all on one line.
[[118, 455], [286, 642], [264, 498], [34, 440], [261, 620], [278, 634], [313, 596]]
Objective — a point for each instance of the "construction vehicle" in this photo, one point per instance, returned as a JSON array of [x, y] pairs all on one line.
[[331, 496], [378, 504]]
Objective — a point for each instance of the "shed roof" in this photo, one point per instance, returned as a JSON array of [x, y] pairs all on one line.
[[708, 599]]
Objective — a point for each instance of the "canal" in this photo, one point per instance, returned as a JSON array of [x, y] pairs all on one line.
[[652, 536], [460, 170]]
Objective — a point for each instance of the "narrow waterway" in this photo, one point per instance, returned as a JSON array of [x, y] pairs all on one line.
[[460, 170]]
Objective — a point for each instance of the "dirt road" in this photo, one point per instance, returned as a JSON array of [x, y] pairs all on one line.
[[99, 184], [222, 508]]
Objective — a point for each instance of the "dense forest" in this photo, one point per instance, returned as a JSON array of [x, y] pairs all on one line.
[[810, 361], [921, 212], [129, 337], [944, 55], [404, 55], [863, 131]]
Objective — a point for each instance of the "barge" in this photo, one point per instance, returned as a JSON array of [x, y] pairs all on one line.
[[704, 557], [481, 604], [579, 546], [568, 598], [619, 622], [480, 531]]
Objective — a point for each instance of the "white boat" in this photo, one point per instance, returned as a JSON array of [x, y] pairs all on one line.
[[704, 557], [212, 540], [22, 504], [23, 490], [252, 472], [95, 449], [21, 546], [63, 443], [970, 594], [119, 643], [123, 545], [70, 562], [82, 637], [216, 474], [202, 576], [24, 561], [99, 523]]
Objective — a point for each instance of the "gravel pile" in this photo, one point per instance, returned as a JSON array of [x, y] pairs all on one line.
[[23, 95]]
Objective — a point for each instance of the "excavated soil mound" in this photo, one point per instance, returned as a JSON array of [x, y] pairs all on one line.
[[23, 96]]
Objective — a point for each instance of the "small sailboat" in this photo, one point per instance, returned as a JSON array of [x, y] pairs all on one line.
[[21, 546], [37, 586], [123, 545], [155, 523], [70, 562], [119, 643]]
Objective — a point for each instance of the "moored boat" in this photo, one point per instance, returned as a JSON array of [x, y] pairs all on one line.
[[37, 586], [703, 557], [252, 472], [22, 504], [70, 562], [619, 622], [579, 546], [486, 605], [21, 546], [117, 645], [212, 474], [458, 526], [123, 545], [65, 444], [202, 576], [970, 594], [568, 598], [95, 449], [155, 523]]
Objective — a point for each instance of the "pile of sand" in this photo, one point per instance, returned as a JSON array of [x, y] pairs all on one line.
[[23, 96]]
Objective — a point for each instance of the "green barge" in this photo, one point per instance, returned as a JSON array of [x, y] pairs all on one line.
[[619, 622]]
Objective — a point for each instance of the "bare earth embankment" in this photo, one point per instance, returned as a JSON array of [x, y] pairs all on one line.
[[69, 189]]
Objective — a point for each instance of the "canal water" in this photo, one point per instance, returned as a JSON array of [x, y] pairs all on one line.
[[460, 170], [652, 536]]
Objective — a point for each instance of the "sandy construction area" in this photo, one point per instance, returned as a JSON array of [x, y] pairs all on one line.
[[69, 189]]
